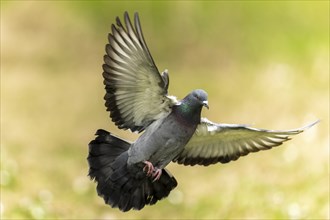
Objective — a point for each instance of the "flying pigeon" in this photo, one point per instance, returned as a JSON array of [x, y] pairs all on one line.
[[132, 175]]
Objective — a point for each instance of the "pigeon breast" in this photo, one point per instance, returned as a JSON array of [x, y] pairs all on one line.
[[163, 140]]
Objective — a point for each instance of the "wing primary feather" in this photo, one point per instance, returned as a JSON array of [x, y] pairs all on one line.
[[112, 38], [131, 32], [111, 51], [141, 37], [120, 70], [120, 33]]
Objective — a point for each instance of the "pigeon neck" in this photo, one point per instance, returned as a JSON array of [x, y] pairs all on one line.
[[187, 113]]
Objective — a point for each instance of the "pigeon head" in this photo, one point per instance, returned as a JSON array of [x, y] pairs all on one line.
[[197, 97]]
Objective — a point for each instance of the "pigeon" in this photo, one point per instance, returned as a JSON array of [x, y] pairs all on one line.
[[131, 175]]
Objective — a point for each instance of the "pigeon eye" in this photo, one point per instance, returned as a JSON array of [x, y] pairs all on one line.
[[197, 96]]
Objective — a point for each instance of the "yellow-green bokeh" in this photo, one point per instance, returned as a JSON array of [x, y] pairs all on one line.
[[264, 63]]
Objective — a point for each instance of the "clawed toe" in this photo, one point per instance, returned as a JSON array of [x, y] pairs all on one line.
[[152, 171], [156, 174], [148, 168]]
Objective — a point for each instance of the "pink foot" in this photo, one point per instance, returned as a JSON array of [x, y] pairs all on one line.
[[156, 174], [152, 171], [148, 168]]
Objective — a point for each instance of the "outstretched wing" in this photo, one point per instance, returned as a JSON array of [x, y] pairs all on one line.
[[136, 94], [213, 143]]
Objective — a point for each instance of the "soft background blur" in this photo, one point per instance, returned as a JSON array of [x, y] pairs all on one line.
[[262, 63]]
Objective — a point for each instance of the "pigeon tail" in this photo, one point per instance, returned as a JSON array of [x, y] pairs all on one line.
[[119, 185]]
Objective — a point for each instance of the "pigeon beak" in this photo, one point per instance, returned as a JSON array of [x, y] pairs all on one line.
[[206, 104]]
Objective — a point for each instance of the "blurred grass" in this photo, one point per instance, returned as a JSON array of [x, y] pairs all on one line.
[[262, 63]]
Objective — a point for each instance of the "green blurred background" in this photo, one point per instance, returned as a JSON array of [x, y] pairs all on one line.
[[262, 63]]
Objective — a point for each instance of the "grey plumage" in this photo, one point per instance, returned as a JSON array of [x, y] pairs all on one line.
[[132, 175]]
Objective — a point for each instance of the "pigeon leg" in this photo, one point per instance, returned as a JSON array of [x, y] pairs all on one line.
[[156, 174], [148, 168]]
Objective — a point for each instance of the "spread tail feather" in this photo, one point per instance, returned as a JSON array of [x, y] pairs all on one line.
[[120, 186]]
